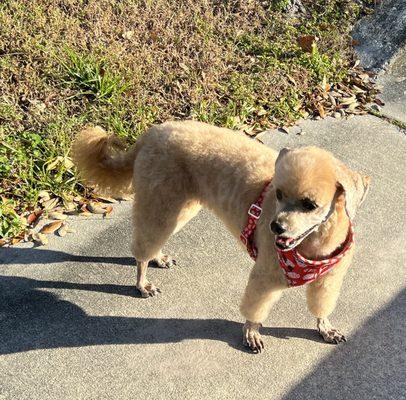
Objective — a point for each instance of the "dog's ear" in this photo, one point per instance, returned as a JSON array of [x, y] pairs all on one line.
[[283, 152], [354, 186]]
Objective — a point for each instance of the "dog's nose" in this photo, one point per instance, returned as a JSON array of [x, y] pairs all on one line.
[[277, 228]]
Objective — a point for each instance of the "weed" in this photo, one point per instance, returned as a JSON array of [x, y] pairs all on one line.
[[10, 223], [322, 66], [92, 78]]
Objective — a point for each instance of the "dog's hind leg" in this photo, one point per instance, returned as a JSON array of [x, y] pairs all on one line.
[[154, 222], [188, 211]]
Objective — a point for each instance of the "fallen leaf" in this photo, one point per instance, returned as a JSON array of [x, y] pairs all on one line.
[[364, 77], [16, 240], [325, 85], [375, 107], [348, 100], [153, 36], [335, 94], [51, 227], [54, 163], [95, 209], [108, 210], [127, 35], [306, 42], [2, 242], [248, 129], [332, 100], [63, 230], [105, 199], [321, 110], [358, 89], [69, 206], [125, 197], [184, 67], [44, 195], [71, 230], [57, 215], [40, 239], [353, 106], [379, 102], [50, 204], [68, 163], [33, 218], [284, 129], [72, 212]]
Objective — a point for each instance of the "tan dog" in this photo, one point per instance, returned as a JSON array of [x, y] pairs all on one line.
[[177, 167]]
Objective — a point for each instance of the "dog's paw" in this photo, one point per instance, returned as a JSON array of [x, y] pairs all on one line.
[[333, 336], [164, 261], [148, 290], [252, 338], [329, 333]]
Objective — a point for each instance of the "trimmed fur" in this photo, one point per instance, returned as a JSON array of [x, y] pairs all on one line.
[[102, 163], [177, 167]]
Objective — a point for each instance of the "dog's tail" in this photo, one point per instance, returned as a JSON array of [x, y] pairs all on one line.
[[103, 162]]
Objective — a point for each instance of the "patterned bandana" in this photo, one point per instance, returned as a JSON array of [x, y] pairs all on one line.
[[298, 269]]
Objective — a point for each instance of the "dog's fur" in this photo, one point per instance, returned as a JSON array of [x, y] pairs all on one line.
[[178, 167]]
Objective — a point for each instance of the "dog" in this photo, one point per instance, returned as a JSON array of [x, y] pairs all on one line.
[[300, 206]]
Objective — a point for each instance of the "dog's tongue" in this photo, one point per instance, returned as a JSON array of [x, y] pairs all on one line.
[[283, 241]]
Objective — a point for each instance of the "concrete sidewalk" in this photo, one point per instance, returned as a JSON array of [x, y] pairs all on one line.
[[73, 327]]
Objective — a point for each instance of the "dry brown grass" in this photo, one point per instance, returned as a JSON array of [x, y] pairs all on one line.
[[216, 60]]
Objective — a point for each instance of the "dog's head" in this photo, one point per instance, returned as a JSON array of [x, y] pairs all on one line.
[[308, 182]]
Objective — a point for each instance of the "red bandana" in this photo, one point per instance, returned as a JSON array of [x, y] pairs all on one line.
[[298, 269]]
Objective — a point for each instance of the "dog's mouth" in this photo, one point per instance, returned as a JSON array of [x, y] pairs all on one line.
[[288, 243]]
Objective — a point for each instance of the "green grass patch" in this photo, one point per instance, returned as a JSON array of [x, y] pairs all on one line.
[[10, 222], [92, 78]]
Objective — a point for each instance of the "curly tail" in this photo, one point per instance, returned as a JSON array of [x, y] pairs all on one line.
[[102, 161]]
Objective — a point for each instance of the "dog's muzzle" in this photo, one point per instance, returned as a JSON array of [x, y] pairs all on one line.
[[286, 243]]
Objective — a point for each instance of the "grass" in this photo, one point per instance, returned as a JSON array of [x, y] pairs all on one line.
[[400, 124], [92, 77], [127, 65]]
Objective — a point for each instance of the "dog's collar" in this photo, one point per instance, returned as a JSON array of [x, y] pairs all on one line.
[[298, 269], [254, 212]]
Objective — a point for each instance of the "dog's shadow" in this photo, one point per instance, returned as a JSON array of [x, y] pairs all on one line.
[[32, 318]]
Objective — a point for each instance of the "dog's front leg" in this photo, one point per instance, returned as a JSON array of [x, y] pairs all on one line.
[[322, 296], [263, 290], [146, 288]]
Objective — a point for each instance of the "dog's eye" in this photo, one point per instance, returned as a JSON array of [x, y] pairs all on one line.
[[308, 205], [279, 194]]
